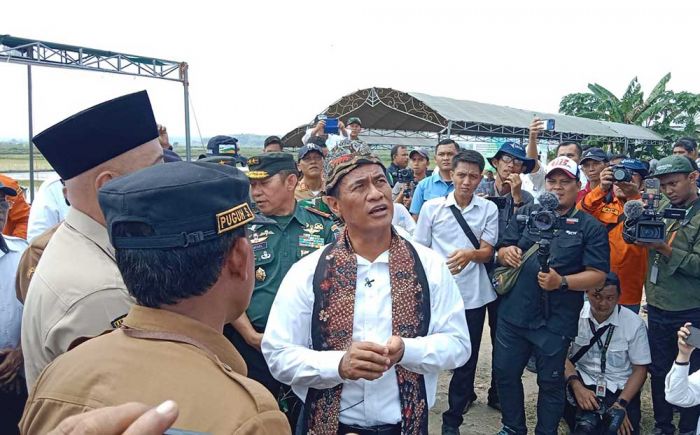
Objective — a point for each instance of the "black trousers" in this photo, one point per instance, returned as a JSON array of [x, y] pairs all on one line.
[[11, 408], [259, 371], [514, 345], [663, 343], [461, 389]]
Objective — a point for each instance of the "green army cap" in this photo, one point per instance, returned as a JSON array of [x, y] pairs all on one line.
[[673, 165], [355, 120], [269, 164]]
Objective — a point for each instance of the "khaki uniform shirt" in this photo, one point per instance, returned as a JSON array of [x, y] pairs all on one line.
[[76, 291], [176, 358], [30, 259], [302, 192]]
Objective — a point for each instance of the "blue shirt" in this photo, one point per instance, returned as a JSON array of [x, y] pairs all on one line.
[[10, 307], [429, 188]]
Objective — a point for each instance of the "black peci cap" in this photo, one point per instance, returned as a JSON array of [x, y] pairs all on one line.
[[98, 134]]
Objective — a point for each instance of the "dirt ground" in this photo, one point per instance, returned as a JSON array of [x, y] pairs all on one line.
[[482, 420]]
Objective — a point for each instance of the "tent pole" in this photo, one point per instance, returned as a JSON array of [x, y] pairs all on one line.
[[186, 86], [31, 132]]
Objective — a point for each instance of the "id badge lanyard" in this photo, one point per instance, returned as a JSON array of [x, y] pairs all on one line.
[[601, 385]]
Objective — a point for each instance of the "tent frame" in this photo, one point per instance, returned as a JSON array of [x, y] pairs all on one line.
[[40, 53]]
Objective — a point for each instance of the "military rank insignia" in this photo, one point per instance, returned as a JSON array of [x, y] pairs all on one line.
[[260, 274], [117, 323]]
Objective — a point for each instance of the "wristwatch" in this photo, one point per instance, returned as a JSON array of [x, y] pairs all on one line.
[[622, 402], [564, 284]]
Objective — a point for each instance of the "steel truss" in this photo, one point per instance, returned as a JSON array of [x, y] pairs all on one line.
[[40, 53]]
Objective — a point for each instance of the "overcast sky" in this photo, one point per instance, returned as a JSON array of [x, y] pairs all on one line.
[[268, 66]]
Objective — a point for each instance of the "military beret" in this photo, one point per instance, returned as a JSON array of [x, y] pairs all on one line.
[[268, 164], [345, 157], [182, 203], [98, 134]]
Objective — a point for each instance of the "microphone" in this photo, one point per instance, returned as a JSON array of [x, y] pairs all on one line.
[[633, 210], [368, 282], [549, 201]]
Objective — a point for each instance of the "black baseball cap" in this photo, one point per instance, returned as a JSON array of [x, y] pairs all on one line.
[[222, 144], [7, 190], [271, 140], [306, 149], [169, 199], [596, 154]]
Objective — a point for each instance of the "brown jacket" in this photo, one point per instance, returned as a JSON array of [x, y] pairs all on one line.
[[30, 259], [159, 356]]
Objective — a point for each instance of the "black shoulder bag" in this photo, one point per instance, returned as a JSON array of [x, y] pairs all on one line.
[[470, 234]]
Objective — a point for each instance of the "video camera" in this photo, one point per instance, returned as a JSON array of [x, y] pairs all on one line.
[[643, 221], [542, 223], [406, 177]]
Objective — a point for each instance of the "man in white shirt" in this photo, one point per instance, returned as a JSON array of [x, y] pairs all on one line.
[[369, 307], [49, 208], [438, 228], [13, 392], [607, 365], [534, 181]]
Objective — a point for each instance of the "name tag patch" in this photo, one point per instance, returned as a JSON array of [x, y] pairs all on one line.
[[233, 218]]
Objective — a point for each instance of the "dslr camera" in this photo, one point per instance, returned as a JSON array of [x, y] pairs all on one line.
[[405, 176], [603, 421], [644, 222], [621, 174]]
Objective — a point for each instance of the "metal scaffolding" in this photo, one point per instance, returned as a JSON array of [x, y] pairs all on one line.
[[31, 52]]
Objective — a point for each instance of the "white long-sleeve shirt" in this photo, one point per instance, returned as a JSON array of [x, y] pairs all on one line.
[[438, 229], [287, 343], [683, 389], [48, 208]]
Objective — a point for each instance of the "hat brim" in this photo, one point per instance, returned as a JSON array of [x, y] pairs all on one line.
[[410, 155], [8, 191], [657, 174], [565, 171], [528, 163], [597, 159]]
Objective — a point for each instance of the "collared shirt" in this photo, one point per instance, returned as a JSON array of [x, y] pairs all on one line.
[[277, 247], [29, 261], [331, 141], [403, 219], [683, 389], [438, 229], [187, 361], [76, 291], [287, 344], [629, 346], [679, 275], [10, 308], [627, 260], [302, 191], [581, 242], [49, 208], [429, 188]]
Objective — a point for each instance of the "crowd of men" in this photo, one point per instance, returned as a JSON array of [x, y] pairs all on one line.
[[321, 292]]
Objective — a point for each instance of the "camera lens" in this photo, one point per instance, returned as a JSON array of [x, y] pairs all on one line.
[[622, 175], [649, 232], [544, 221]]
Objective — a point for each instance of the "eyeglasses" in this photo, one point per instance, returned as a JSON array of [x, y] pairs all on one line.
[[510, 159]]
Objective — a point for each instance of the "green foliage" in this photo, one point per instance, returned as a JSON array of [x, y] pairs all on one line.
[[671, 114]]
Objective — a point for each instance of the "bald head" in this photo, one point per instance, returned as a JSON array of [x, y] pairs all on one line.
[[82, 189]]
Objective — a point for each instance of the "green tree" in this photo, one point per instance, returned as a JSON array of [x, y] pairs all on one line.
[[671, 114]]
